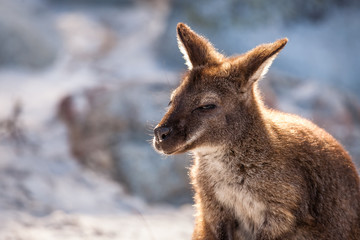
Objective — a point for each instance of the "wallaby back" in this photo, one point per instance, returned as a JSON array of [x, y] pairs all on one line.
[[257, 173]]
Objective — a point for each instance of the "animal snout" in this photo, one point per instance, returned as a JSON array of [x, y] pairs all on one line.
[[161, 133]]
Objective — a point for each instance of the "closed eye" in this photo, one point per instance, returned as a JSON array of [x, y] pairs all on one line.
[[205, 107], [208, 106]]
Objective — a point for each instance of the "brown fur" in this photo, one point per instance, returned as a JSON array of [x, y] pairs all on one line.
[[258, 173]]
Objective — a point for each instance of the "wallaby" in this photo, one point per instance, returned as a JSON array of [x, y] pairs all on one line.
[[258, 173]]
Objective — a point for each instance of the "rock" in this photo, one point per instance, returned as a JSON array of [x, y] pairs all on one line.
[[120, 128], [91, 129]]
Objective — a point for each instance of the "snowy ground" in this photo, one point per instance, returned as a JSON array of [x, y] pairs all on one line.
[[45, 193], [161, 225]]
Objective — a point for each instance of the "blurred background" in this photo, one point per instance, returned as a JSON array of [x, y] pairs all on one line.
[[83, 83]]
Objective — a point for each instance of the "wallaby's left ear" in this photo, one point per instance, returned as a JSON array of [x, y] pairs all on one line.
[[197, 50], [255, 63]]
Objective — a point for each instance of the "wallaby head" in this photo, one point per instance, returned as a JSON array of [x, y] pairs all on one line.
[[216, 97]]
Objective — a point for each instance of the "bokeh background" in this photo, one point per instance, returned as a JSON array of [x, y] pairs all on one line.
[[83, 83]]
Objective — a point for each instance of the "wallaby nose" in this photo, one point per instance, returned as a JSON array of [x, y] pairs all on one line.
[[161, 133]]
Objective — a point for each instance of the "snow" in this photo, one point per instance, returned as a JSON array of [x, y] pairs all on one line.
[[59, 225]]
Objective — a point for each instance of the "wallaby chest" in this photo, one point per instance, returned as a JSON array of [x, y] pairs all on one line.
[[216, 173]]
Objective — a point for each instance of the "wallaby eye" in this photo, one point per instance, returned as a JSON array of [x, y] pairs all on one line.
[[206, 107]]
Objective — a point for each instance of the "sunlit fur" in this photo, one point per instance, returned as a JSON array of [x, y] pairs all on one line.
[[257, 173]]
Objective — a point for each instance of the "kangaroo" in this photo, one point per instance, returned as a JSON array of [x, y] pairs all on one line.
[[258, 173]]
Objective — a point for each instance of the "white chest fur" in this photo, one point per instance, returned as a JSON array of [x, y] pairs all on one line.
[[227, 188]]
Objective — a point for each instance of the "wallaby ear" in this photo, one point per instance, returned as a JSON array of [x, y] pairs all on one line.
[[196, 49], [255, 63]]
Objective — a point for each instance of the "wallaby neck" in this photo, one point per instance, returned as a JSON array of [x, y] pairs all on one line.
[[254, 139]]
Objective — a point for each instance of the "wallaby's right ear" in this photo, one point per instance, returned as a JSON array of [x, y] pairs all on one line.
[[196, 49], [254, 64]]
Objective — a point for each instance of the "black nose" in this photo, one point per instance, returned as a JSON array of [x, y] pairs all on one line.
[[161, 133]]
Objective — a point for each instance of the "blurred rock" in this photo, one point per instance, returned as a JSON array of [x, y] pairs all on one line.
[[91, 129], [119, 128], [27, 36], [13, 132]]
